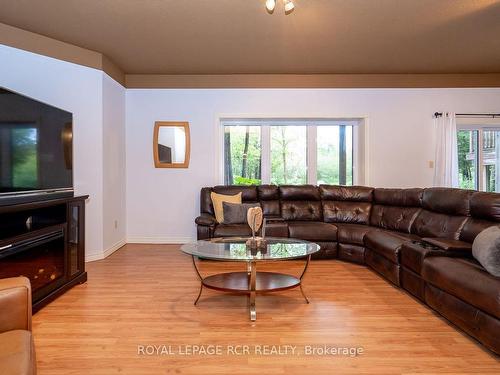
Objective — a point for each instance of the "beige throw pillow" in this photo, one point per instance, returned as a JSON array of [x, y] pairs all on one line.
[[217, 200]]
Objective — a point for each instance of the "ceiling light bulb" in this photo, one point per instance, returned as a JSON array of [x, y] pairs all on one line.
[[289, 7], [270, 4]]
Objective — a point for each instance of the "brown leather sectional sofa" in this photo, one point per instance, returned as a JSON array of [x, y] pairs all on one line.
[[418, 239]]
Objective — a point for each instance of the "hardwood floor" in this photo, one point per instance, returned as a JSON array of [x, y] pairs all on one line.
[[143, 295]]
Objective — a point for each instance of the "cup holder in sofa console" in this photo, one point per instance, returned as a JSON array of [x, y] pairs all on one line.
[[425, 245]]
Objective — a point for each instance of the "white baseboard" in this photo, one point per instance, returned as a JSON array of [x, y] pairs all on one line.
[[142, 240], [106, 253], [161, 240]]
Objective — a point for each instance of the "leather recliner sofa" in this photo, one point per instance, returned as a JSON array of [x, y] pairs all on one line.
[[418, 239]]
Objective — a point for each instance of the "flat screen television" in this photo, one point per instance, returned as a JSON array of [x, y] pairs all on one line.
[[36, 150]]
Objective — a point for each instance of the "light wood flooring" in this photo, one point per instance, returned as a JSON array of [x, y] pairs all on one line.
[[143, 295]]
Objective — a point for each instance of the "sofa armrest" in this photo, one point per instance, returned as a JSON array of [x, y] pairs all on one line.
[[15, 304], [449, 244], [206, 220]]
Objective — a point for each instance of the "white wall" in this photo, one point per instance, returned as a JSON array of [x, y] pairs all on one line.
[[162, 203], [97, 104], [78, 90], [114, 213]]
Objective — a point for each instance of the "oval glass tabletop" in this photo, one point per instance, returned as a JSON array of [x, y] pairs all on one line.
[[235, 249]]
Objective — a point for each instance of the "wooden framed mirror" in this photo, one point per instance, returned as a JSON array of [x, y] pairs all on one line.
[[171, 144]]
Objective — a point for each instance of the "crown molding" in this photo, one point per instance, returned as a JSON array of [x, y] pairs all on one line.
[[158, 81], [42, 45]]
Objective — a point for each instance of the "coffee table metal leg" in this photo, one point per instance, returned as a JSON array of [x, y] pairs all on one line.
[[252, 286], [201, 280], [199, 294], [302, 275]]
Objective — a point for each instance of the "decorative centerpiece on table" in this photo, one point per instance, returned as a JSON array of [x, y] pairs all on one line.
[[255, 219]]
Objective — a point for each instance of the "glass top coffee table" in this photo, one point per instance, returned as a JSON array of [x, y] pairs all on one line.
[[250, 282]]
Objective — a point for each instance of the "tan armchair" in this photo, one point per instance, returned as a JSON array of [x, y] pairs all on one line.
[[17, 350]]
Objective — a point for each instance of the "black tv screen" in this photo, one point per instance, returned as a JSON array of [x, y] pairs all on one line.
[[35, 146]]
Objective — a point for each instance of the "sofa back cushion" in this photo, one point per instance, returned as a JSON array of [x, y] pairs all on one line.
[[485, 206], [398, 197], [346, 204], [447, 201], [485, 212], [269, 197], [395, 209], [300, 203], [444, 213], [436, 225], [248, 195]]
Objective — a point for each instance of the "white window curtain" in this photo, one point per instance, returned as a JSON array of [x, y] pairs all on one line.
[[446, 159]]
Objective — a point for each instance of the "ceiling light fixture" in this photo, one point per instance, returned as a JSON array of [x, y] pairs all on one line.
[[288, 5], [270, 5]]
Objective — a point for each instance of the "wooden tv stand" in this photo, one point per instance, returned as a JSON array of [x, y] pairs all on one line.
[[45, 242]]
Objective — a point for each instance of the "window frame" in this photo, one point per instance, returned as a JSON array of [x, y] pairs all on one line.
[[359, 134], [479, 124]]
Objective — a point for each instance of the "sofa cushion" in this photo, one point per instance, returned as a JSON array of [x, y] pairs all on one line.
[[393, 218], [485, 206], [248, 193], [485, 211], [398, 197], [387, 244], [233, 230], [299, 193], [472, 227], [301, 210], [447, 201], [276, 227], [269, 196], [268, 192], [437, 225], [486, 250], [466, 280], [352, 233], [312, 231], [346, 193], [346, 212], [346, 204], [17, 353], [271, 208]]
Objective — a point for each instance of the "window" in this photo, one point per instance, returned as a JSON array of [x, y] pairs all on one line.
[[242, 154], [288, 155], [478, 154], [291, 151], [334, 155]]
